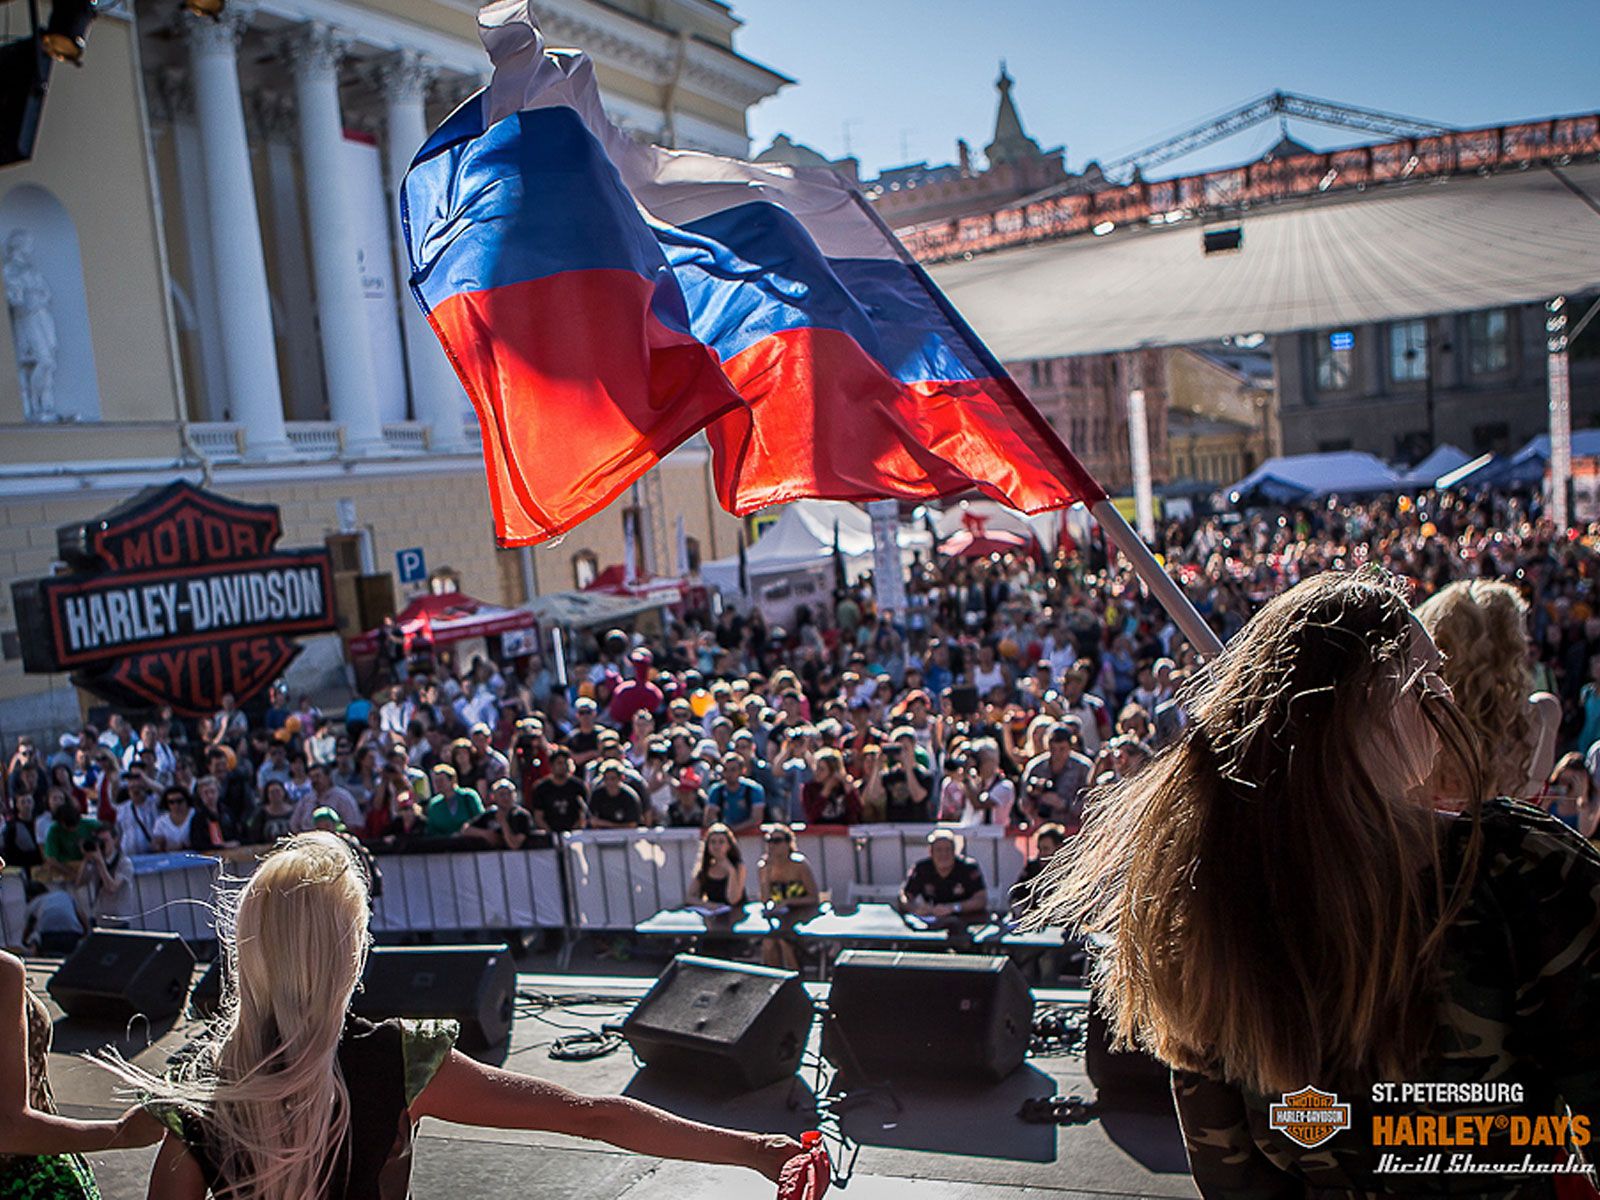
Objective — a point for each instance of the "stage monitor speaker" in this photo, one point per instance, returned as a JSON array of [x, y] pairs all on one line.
[[115, 975], [1121, 1075], [934, 1015], [722, 1022], [475, 985], [206, 999]]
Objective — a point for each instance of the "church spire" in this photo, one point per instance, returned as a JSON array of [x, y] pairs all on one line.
[[1010, 143]]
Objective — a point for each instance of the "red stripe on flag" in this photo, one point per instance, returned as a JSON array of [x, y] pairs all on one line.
[[579, 390], [826, 420]]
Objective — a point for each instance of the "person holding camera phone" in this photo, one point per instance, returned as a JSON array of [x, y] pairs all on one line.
[[105, 880]]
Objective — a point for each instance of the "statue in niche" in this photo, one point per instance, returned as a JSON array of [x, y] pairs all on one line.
[[33, 327]]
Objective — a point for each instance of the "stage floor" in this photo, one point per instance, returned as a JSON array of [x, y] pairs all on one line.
[[947, 1143]]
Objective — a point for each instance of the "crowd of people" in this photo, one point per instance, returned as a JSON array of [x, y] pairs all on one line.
[[1002, 692]]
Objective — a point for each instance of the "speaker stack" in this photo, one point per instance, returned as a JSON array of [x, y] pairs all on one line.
[[473, 985], [722, 1022], [945, 1016], [116, 975]]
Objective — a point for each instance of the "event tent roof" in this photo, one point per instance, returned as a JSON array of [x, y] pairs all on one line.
[[1406, 250], [1442, 461], [1307, 476], [448, 617]]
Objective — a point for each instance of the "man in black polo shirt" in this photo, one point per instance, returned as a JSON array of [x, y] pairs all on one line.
[[558, 801], [945, 884]]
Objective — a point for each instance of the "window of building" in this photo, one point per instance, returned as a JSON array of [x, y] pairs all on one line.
[[1075, 372], [1331, 445], [1336, 360], [585, 566], [1408, 351], [691, 551], [1494, 437], [1488, 346]]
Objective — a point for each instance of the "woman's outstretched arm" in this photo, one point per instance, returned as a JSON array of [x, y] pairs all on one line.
[[23, 1128], [176, 1175], [469, 1093]]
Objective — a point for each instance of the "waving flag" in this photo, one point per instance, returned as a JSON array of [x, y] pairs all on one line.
[[603, 301]]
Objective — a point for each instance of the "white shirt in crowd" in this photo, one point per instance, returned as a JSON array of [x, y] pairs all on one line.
[[172, 836], [137, 825], [1002, 794]]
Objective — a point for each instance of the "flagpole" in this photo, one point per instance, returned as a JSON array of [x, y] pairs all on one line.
[[1167, 593]]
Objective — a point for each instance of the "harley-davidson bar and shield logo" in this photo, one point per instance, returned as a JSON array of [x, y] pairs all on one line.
[[176, 597], [1310, 1116]]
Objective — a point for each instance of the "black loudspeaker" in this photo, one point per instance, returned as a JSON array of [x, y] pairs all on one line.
[[206, 998], [116, 975], [948, 1016], [1121, 1076], [720, 1022], [475, 985]]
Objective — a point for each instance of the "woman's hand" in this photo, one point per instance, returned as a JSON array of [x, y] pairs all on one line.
[[136, 1127], [771, 1152]]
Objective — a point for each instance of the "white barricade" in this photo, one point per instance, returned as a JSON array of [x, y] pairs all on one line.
[[451, 891], [13, 908], [175, 893], [886, 854], [470, 889], [618, 878]]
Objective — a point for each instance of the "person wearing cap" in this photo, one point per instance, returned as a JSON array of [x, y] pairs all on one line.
[[688, 807], [734, 801], [1053, 783], [638, 694], [946, 884], [613, 804], [505, 825], [452, 806], [493, 766], [584, 740], [558, 800]]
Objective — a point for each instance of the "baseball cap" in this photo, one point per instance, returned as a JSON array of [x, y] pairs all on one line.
[[326, 814], [585, 704], [690, 779]]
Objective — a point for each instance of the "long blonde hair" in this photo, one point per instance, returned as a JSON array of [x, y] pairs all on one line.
[[1481, 625], [1274, 908], [266, 1077]]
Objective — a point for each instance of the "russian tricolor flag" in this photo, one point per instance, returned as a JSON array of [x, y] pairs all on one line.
[[603, 301]]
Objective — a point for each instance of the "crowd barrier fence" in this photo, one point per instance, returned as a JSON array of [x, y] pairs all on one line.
[[604, 880]]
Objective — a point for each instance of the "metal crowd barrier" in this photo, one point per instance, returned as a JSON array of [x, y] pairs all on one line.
[[599, 879], [616, 878]]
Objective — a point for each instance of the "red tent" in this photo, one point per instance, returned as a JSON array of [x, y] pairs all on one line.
[[448, 617], [970, 543], [614, 582]]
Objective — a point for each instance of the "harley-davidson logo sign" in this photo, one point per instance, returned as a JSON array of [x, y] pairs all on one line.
[[176, 597], [1310, 1116]]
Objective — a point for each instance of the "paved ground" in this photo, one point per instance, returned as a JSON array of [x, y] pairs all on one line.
[[946, 1143]]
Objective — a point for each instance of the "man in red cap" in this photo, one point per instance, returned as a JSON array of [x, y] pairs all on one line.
[[638, 694]]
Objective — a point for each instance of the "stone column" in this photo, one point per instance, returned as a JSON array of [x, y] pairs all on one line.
[[172, 101], [436, 394], [244, 308], [275, 128], [314, 53]]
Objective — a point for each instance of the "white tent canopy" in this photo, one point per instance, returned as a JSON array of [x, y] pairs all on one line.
[[1044, 527], [1408, 250], [802, 538]]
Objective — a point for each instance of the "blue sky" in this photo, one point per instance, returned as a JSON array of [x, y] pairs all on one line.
[[908, 77]]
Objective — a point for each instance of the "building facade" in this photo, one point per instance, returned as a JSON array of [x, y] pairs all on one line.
[[205, 280], [1475, 380]]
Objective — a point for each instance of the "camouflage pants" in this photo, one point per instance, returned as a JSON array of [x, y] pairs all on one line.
[[49, 1177]]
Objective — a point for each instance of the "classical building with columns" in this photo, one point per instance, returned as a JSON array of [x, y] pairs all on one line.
[[208, 232]]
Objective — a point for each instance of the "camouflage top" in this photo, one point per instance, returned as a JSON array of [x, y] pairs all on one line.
[[1520, 1004]]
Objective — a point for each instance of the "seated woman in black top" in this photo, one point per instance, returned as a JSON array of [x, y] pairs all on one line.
[[292, 1096], [719, 879]]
